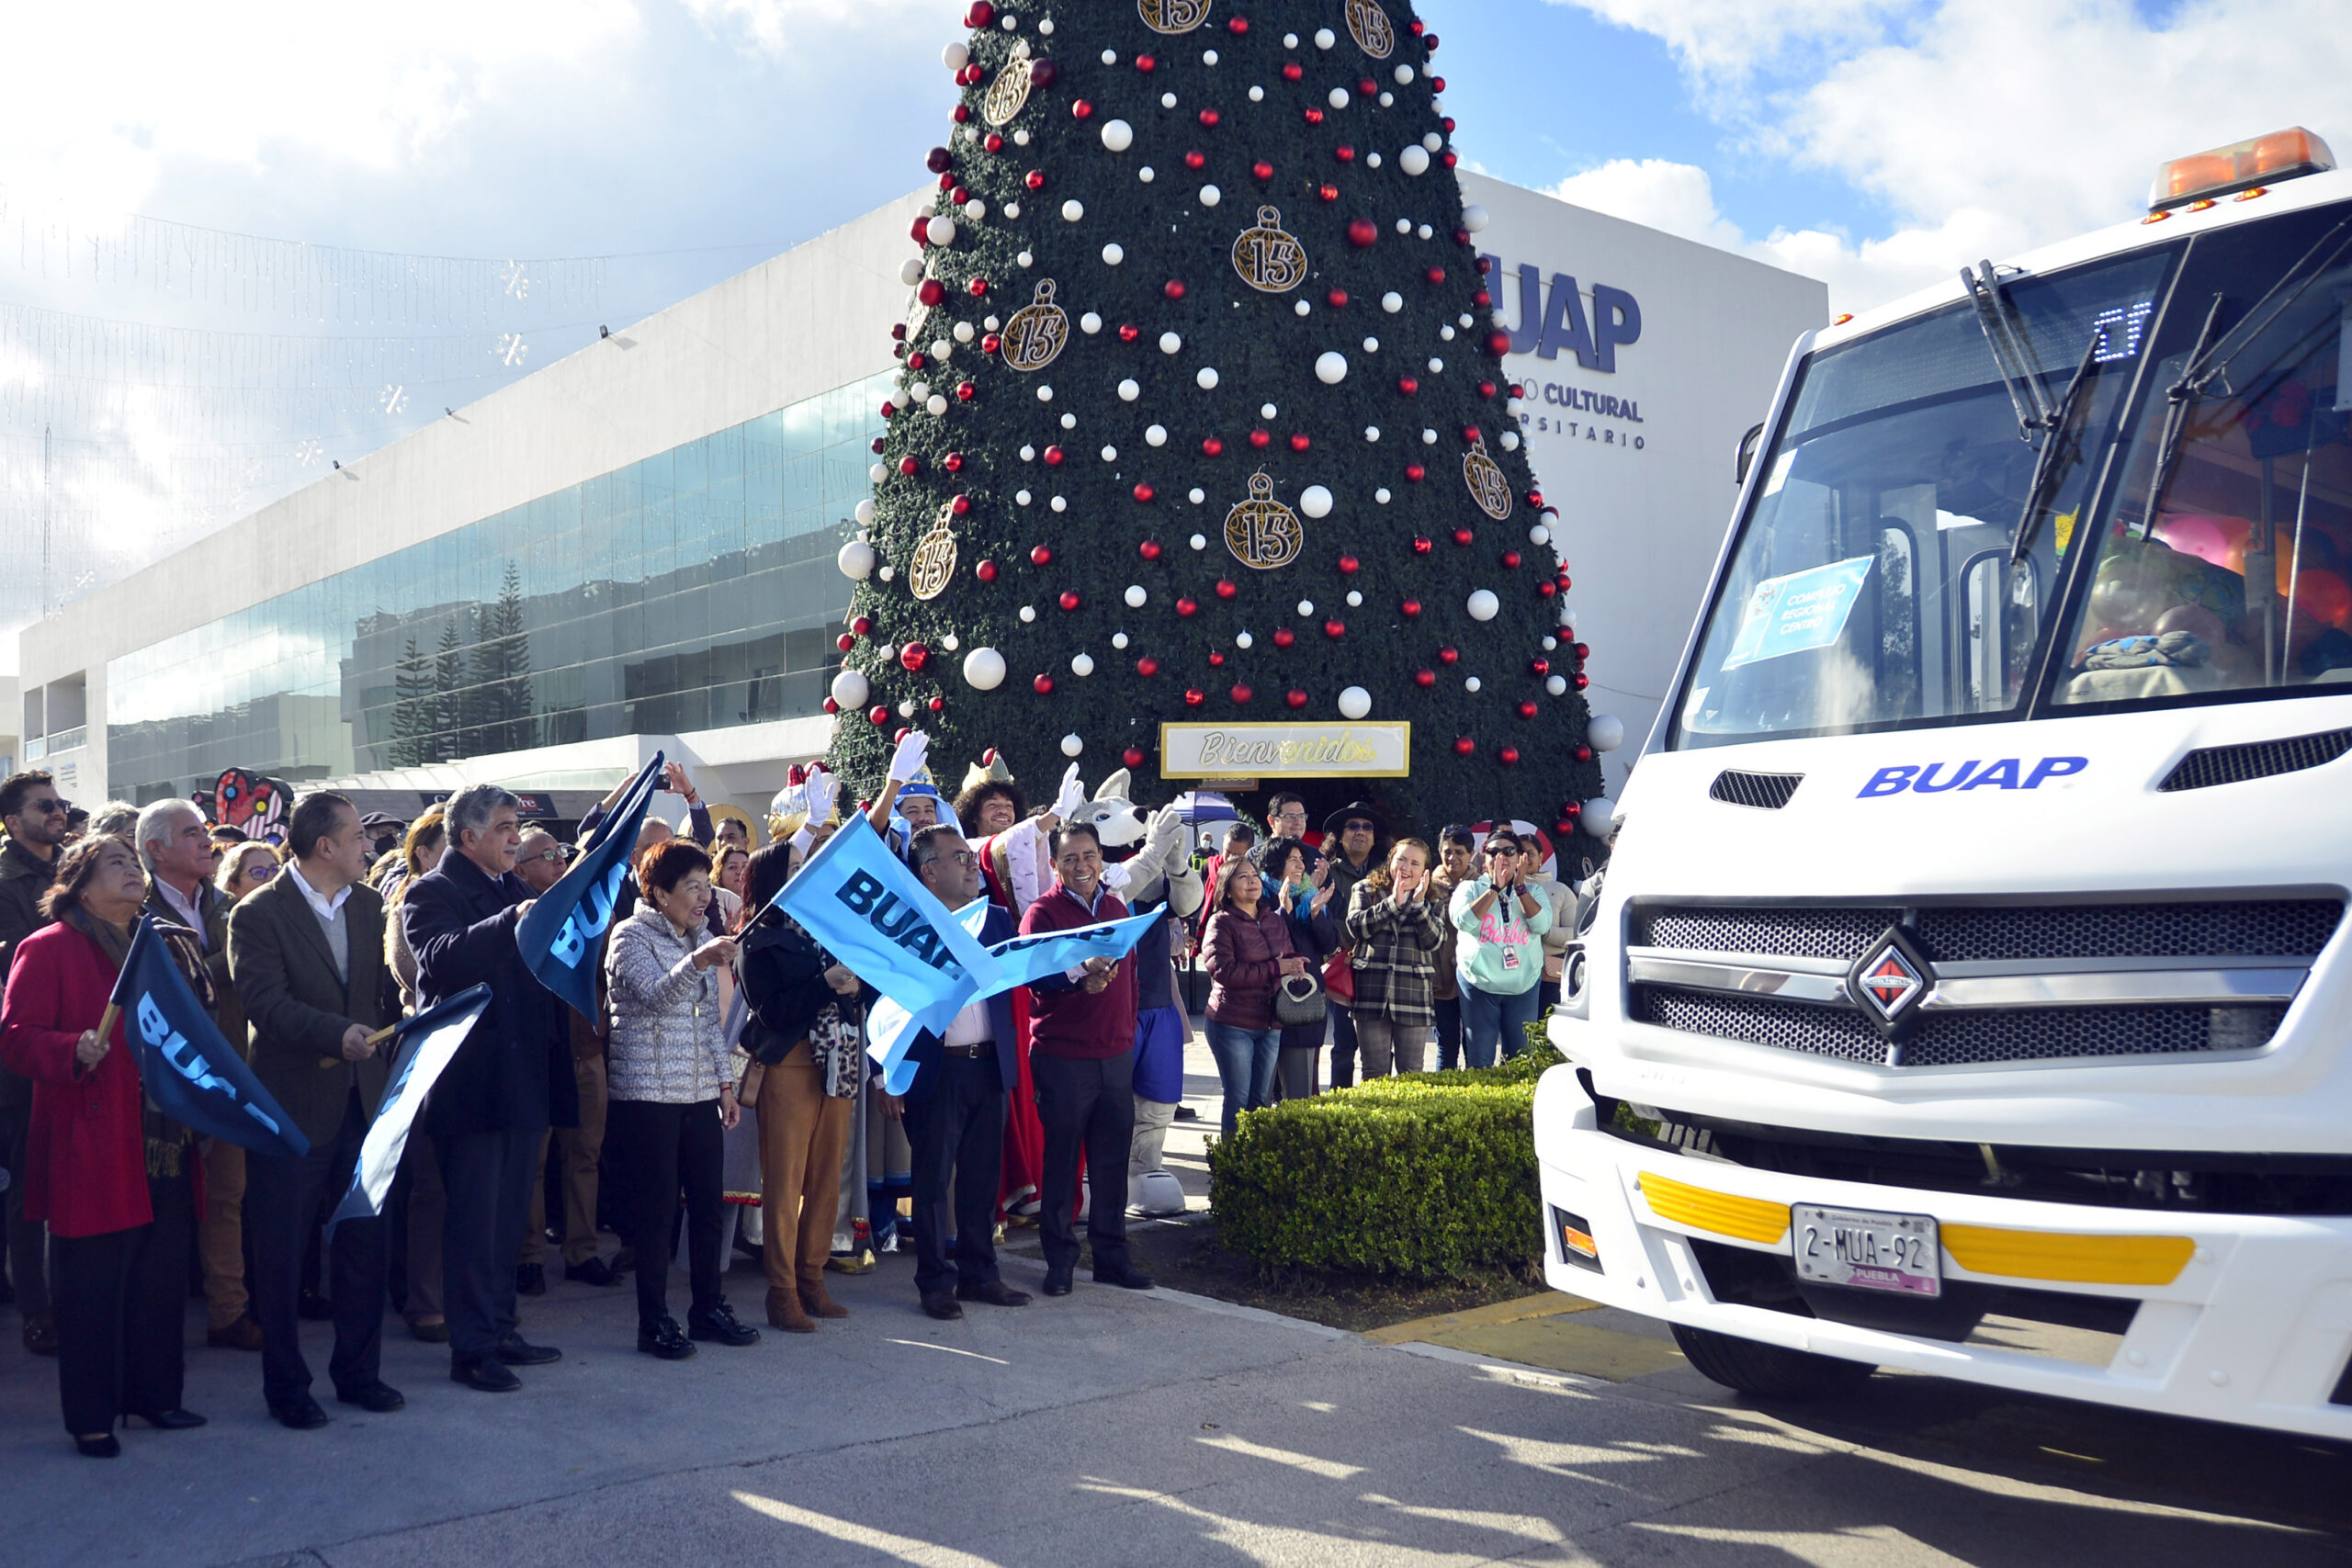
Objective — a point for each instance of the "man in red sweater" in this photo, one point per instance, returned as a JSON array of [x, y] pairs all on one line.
[[1083, 1060]]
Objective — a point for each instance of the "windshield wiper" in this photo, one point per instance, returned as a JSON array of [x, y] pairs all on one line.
[[2211, 360], [2059, 446], [2006, 337]]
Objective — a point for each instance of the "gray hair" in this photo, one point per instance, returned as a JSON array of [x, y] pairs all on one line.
[[470, 809], [116, 818], [154, 821]]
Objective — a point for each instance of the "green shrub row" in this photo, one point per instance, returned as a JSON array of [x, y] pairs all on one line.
[[1424, 1175]]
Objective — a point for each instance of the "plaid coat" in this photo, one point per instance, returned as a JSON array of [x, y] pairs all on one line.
[[1395, 949]]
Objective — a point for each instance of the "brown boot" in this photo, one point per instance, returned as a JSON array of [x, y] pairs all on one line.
[[813, 1296], [784, 1312]]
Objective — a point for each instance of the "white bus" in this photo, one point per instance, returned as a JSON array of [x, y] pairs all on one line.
[[1969, 991]]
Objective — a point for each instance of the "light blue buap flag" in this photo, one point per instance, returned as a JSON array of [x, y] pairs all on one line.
[[562, 938]]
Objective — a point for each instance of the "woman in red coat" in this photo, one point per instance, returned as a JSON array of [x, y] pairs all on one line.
[[115, 1180]]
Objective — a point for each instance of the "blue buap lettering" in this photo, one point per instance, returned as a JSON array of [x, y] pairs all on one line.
[[158, 1030], [1929, 779], [903, 923], [573, 942]]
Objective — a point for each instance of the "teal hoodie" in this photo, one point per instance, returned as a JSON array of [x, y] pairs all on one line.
[[1500, 952]]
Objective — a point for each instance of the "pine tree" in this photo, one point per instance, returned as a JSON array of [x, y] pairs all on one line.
[[449, 695], [498, 714], [413, 708], [1201, 419]]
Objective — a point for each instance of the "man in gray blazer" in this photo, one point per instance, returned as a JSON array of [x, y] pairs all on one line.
[[307, 955]]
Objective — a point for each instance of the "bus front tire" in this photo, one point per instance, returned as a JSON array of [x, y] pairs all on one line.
[[1768, 1372]]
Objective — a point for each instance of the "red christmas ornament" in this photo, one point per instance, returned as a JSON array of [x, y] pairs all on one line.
[[1263, 171], [1328, 193], [931, 292], [1194, 696], [914, 656], [1349, 564], [1510, 559], [1082, 110], [1217, 661], [1539, 665], [1526, 710], [1486, 388], [1241, 694], [1421, 546], [1509, 755], [862, 625], [1292, 70], [1043, 685], [1225, 588], [1284, 637], [993, 142], [916, 361], [1208, 118], [937, 705], [1132, 757], [1582, 651], [1144, 493], [985, 572], [1582, 680], [1188, 606], [1238, 25], [1053, 456], [939, 159], [1314, 117], [1425, 678], [1337, 299], [1130, 332], [1411, 607], [1366, 87], [1211, 446], [844, 642], [1448, 654], [1335, 630], [1173, 289], [1408, 385], [1583, 754], [1040, 556], [978, 287], [879, 716], [1145, 64], [961, 114], [953, 464], [1149, 549], [1296, 699], [1436, 274], [1298, 442], [1147, 666], [979, 14], [1547, 590], [1464, 746], [831, 706], [1498, 344], [1069, 600], [1415, 472], [1470, 434], [1261, 438], [1482, 299], [1463, 536], [966, 390], [1034, 179], [1194, 160], [1344, 154]]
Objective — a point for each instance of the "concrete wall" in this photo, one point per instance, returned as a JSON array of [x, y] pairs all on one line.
[[799, 324]]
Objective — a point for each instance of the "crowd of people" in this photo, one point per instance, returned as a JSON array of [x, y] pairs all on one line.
[[721, 1092]]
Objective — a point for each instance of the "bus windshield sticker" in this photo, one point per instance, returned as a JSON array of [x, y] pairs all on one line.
[[1798, 612]]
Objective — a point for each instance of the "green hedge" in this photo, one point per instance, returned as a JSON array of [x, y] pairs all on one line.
[[1425, 1175]]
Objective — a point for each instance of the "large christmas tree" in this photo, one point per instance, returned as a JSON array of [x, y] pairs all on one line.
[[1203, 420]]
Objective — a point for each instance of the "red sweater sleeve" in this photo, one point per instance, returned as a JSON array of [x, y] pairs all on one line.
[[31, 1041]]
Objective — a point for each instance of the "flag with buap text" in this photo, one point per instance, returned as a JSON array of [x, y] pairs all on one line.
[[420, 1049], [563, 937], [187, 1068], [871, 913]]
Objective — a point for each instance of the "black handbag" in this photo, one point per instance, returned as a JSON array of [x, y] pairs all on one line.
[[1298, 999]]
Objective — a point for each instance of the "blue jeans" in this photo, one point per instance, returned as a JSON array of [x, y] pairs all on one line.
[[1245, 1065], [1489, 1020]]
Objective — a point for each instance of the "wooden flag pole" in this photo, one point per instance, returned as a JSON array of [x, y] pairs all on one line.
[[373, 1040], [105, 1021]]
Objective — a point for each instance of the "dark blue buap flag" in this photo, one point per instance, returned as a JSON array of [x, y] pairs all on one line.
[[422, 1046], [562, 938], [187, 1070]]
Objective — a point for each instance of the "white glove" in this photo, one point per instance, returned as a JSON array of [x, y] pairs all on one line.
[[801, 842], [823, 789], [907, 761], [1072, 796], [1163, 840], [1116, 876]]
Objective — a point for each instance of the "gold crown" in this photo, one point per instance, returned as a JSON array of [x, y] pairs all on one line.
[[995, 772]]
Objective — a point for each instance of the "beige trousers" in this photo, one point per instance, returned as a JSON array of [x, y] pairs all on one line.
[[804, 1138], [221, 1234]]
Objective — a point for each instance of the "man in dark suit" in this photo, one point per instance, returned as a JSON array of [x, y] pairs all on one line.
[[509, 1082], [954, 1109], [307, 951]]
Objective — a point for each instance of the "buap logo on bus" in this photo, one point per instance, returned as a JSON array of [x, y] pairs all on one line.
[[1930, 778]]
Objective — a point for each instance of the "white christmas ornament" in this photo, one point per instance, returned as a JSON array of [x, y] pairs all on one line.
[[1474, 218], [1073, 210], [878, 472], [1301, 307], [1146, 174], [1510, 440], [1392, 302], [1471, 684], [1307, 606], [1604, 732], [936, 405], [1118, 135], [1404, 74], [1156, 435], [976, 209], [1137, 596], [1210, 196], [910, 271], [1599, 816], [940, 231], [963, 331], [1090, 323], [1482, 605], [851, 689], [1083, 665], [1556, 684], [1413, 160], [1025, 258], [1170, 342], [1118, 640], [1110, 57], [1208, 57], [1325, 37], [1028, 613], [1331, 367], [856, 560], [1315, 501], [1129, 391], [1337, 98], [1110, 454], [1244, 640], [1355, 600], [1167, 100], [1072, 745], [886, 571], [1044, 394], [864, 513], [1069, 421], [1371, 160], [1372, 433], [1433, 142], [1539, 535], [1199, 541], [1196, 495], [1257, 94], [1355, 702], [1112, 255], [906, 707], [957, 55], [951, 642], [1404, 225], [1381, 495], [1206, 379]]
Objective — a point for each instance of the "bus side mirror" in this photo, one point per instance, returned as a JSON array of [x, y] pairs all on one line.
[[1745, 456]]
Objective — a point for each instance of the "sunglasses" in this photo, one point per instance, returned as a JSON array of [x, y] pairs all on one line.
[[1496, 850], [47, 807]]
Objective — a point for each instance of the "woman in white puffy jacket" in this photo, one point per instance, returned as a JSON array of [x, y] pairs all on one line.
[[673, 1096]]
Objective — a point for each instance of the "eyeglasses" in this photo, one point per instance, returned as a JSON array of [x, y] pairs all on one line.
[[1292, 814], [560, 854], [963, 858]]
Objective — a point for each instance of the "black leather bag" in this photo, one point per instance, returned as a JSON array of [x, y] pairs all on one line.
[[1298, 999]]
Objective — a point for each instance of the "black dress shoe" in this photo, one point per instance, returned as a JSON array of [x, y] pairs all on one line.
[[721, 1325], [664, 1338], [941, 1305], [595, 1271], [1126, 1279], [517, 1352], [1058, 1280], [313, 1307], [173, 1420], [530, 1279], [485, 1374], [303, 1415], [996, 1292], [378, 1398], [105, 1445]]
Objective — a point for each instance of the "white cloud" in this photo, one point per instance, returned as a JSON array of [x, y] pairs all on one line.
[[1983, 126], [785, 26]]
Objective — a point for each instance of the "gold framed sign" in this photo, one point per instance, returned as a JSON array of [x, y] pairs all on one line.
[[1339, 749], [1009, 91], [1368, 25], [1172, 16]]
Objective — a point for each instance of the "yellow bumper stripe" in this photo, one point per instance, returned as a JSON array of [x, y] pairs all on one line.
[[2073, 1259], [1750, 1219]]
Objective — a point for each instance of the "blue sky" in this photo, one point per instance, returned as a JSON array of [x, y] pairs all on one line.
[[1874, 143]]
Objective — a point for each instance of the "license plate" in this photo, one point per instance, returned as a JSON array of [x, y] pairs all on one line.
[[1869, 1250]]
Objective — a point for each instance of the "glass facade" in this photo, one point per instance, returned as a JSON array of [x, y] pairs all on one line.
[[674, 595]]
